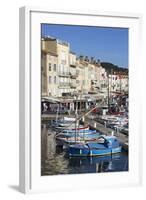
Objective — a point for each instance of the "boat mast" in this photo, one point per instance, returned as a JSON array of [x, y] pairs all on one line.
[[76, 116]]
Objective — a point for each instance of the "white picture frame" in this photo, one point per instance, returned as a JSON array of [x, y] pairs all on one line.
[[30, 178]]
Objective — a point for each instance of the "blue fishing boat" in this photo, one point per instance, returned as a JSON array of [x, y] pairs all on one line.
[[86, 130], [77, 132], [73, 138], [110, 145], [73, 127]]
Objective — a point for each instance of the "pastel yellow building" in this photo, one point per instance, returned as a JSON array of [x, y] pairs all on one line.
[[80, 80], [57, 55], [73, 72], [63, 49], [49, 79], [44, 76], [63, 74]]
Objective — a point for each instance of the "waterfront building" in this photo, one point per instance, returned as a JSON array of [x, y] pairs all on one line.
[[103, 80], [118, 82], [72, 82], [51, 77], [114, 83], [91, 78], [63, 49], [49, 66], [100, 75], [124, 83], [83, 82], [73, 72], [60, 50], [44, 75]]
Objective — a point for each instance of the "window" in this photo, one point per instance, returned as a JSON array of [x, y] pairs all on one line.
[[55, 67], [50, 79], [49, 66], [78, 72], [55, 79], [63, 62]]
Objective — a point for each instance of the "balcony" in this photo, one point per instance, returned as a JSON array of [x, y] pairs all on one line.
[[74, 75], [64, 85], [73, 64], [73, 85], [64, 74]]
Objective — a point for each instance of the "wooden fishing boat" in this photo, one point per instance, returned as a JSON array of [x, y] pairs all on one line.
[[110, 146], [69, 128], [66, 140], [81, 131]]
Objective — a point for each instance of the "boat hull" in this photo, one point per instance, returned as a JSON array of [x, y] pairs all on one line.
[[93, 152], [86, 130], [70, 139], [88, 133], [71, 128]]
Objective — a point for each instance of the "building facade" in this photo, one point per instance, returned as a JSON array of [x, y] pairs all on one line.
[[118, 83], [63, 74], [73, 72]]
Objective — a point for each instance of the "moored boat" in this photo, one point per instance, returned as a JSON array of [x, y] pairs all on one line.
[[124, 129], [77, 132], [66, 140], [110, 145], [81, 127]]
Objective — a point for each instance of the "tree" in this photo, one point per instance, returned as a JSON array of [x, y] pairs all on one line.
[[111, 67]]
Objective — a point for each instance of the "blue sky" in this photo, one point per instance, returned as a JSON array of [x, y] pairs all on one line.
[[106, 44]]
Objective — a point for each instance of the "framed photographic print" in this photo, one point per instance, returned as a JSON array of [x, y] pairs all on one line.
[[79, 108]]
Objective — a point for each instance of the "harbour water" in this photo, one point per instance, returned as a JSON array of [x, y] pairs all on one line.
[[55, 161]]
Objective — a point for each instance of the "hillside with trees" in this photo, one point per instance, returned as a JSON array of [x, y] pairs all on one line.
[[109, 67]]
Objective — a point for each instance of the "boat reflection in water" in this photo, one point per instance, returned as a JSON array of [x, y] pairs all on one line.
[[54, 160], [114, 163]]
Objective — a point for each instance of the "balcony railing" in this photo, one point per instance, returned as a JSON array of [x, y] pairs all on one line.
[[73, 85], [73, 64], [64, 85], [65, 74], [73, 75]]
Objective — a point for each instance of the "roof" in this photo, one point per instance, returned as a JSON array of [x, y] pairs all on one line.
[[108, 138], [72, 53]]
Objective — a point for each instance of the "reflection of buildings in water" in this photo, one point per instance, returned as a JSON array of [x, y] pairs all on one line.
[[51, 145], [55, 163], [107, 163], [97, 167], [104, 166], [110, 165], [43, 143], [115, 162]]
